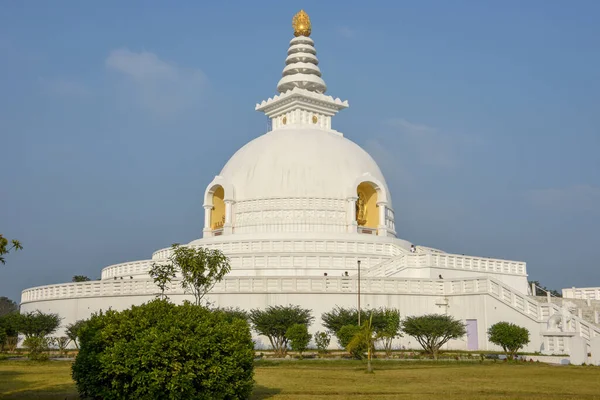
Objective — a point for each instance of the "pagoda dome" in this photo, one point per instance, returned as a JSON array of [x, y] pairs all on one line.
[[300, 163]]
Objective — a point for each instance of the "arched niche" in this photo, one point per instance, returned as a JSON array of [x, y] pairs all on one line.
[[367, 214], [218, 207], [217, 214]]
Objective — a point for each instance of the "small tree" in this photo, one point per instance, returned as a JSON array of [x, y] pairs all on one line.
[[322, 340], [299, 337], [162, 274], [200, 268], [275, 321], [365, 337], [37, 347], [80, 278], [5, 248], [73, 331], [509, 336], [432, 331], [7, 306], [38, 324], [389, 329]]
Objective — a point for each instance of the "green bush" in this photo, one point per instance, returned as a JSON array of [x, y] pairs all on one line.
[[37, 347], [299, 337], [509, 336], [322, 340], [162, 351], [345, 336]]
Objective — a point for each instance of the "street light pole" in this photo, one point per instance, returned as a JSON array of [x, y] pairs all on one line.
[[358, 292]]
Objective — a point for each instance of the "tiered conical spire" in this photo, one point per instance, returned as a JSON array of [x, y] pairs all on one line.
[[301, 69]]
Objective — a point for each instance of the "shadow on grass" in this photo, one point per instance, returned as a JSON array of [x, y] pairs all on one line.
[[59, 392], [262, 392]]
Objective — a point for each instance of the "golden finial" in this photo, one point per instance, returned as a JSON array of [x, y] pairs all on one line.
[[301, 24]]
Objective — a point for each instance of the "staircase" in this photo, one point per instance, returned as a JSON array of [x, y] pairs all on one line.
[[586, 311]]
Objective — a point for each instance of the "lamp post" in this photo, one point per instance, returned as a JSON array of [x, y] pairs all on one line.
[[358, 292]]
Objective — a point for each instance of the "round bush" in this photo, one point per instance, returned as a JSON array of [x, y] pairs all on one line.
[[163, 351]]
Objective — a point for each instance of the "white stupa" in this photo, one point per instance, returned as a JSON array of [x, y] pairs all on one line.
[[296, 209]]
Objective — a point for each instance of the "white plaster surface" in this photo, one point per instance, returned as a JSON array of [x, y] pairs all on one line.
[[578, 351], [595, 350]]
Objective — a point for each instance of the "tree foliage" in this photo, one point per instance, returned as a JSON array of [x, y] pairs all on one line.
[[232, 313], [80, 278], [73, 331], [322, 341], [274, 322], [163, 351], [37, 347], [200, 268], [162, 274], [7, 306], [7, 246], [432, 331], [38, 324], [10, 323], [299, 337], [509, 336]]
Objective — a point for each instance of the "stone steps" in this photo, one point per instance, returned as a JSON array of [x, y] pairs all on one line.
[[588, 310]]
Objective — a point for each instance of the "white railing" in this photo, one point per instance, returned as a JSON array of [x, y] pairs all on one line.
[[444, 260], [233, 247], [127, 268], [482, 264], [592, 293]]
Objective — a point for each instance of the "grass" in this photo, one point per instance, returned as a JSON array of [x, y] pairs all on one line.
[[341, 379]]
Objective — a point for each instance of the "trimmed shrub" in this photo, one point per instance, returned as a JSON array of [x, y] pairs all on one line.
[[162, 351], [509, 336], [432, 331]]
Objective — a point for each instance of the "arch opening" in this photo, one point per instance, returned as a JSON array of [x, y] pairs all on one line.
[[217, 214], [367, 215]]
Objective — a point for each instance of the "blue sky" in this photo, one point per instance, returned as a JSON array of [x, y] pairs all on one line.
[[482, 115]]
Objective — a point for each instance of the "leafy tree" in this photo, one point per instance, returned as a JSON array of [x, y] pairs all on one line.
[[80, 278], [73, 331], [7, 306], [299, 337], [38, 324], [61, 342], [162, 274], [3, 337], [200, 268], [389, 328], [345, 336], [509, 336], [322, 340], [432, 331], [160, 350], [276, 320], [6, 248], [365, 337]]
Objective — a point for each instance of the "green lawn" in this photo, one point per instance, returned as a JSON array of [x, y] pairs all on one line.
[[346, 379]]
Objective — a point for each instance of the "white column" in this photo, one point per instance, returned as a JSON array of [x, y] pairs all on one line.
[[207, 231], [227, 227], [352, 224], [382, 227]]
